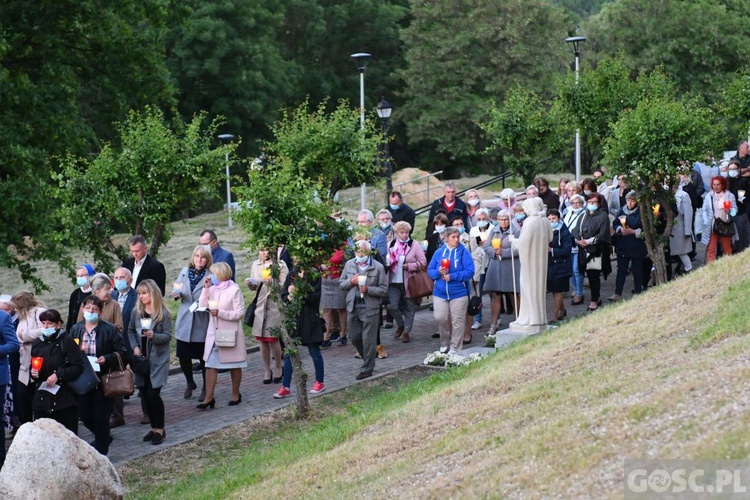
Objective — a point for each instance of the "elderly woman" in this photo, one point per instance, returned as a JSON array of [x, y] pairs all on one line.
[[84, 273], [405, 258], [681, 241], [571, 220], [102, 342], [150, 332], [477, 238], [593, 239], [29, 310], [192, 325], [630, 247], [473, 204], [720, 204], [226, 305], [507, 199], [452, 268], [503, 269], [267, 314], [559, 268], [571, 188], [101, 287], [61, 362]]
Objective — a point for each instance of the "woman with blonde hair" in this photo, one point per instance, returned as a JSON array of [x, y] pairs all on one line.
[[150, 332], [226, 305], [29, 328]]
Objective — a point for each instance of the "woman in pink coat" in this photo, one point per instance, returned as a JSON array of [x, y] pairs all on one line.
[[226, 304]]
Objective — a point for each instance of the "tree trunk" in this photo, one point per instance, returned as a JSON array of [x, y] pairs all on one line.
[[655, 243], [156, 240], [139, 219]]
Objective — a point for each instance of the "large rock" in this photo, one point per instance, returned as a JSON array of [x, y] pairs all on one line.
[[47, 461]]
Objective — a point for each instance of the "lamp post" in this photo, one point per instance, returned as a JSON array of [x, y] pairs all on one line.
[[226, 138], [384, 113], [361, 59], [576, 42]]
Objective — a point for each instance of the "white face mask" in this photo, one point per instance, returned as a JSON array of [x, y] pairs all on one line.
[[734, 173], [474, 203], [440, 229]]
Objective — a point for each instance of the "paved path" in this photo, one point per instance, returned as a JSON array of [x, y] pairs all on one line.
[[184, 422]]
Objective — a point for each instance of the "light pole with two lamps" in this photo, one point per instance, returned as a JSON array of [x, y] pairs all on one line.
[[360, 59], [384, 113], [576, 41], [225, 139]]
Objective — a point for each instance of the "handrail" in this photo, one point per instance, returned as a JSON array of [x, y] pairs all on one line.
[[492, 180]]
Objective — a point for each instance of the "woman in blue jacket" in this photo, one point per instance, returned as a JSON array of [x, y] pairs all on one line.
[[452, 267], [559, 269]]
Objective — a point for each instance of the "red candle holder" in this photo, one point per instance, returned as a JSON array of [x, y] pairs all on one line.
[[445, 263], [36, 363], [727, 205]]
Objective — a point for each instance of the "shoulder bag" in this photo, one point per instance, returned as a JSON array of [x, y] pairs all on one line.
[[85, 381], [227, 337], [475, 302], [420, 284], [250, 311], [722, 227], [118, 382], [140, 364]]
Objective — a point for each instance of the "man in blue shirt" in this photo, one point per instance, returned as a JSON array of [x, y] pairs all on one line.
[[218, 254], [8, 345]]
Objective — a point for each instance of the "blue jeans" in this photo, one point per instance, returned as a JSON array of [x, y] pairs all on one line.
[[317, 359], [2, 431], [577, 278]]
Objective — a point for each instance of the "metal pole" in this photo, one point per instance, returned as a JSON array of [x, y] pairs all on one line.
[[363, 193], [578, 136], [388, 172], [229, 192]]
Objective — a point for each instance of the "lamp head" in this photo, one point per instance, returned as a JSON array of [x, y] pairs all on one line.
[[576, 41], [360, 59], [384, 109]]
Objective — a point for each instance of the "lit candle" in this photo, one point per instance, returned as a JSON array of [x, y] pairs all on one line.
[[741, 193], [622, 221], [212, 304], [727, 205], [177, 286], [496, 243], [362, 281], [36, 363], [265, 273], [656, 208], [146, 323], [445, 263]]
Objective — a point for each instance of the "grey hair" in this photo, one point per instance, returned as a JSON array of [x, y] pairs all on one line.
[[364, 245], [126, 271], [483, 211], [449, 184], [534, 189], [384, 212], [578, 197], [368, 214], [99, 281], [450, 230]]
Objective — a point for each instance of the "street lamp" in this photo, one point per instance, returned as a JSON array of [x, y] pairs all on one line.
[[576, 42], [226, 138], [384, 113], [360, 59]]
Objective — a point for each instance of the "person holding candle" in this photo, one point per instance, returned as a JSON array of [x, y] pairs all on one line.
[[102, 343], [29, 328], [504, 267], [558, 263], [477, 238], [191, 325], [721, 204], [629, 246], [226, 305], [738, 186], [571, 220], [267, 313], [55, 360], [150, 332], [405, 258], [452, 268], [593, 239]]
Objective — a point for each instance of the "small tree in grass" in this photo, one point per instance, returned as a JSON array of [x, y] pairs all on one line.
[[646, 146], [287, 200]]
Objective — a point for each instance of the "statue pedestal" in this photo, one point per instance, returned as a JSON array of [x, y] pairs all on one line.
[[527, 330]]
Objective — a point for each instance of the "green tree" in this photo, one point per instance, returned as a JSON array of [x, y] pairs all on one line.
[[328, 147], [646, 147], [461, 54], [525, 131], [156, 172]]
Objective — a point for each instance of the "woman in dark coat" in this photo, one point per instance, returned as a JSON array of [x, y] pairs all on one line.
[[630, 247], [593, 240], [309, 330], [61, 362], [559, 269]]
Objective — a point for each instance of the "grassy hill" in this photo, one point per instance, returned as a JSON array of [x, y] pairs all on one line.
[[662, 376]]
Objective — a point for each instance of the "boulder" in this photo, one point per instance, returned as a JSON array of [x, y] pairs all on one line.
[[47, 461]]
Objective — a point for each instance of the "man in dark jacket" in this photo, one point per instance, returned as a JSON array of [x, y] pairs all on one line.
[[143, 266], [400, 211], [453, 206], [8, 344]]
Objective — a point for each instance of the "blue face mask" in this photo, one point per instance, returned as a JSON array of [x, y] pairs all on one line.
[[520, 216], [483, 223], [556, 225], [91, 317], [404, 240], [461, 230], [121, 285], [48, 332], [591, 207], [82, 281], [394, 207], [214, 280], [361, 260], [586, 192]]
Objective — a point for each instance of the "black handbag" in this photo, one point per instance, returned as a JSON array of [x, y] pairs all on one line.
[[723, 228], [140, 365], [250, 311], [86, 381], [475, 303]]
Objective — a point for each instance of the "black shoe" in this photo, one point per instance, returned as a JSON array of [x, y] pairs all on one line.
[[236, 402], [148, 437], [335, 336], [435, 335], [210, 404], [268, 380], [277, 380], [189, 391], [364, 375], [325, 344], [159, 438], [388, 325], [342, 341], [197, 367]]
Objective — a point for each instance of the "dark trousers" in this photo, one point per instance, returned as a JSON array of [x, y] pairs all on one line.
[[95, 409], [186, 365], [595, 283], [24, 402], [14, 360], [636, 265], [2, 432], [67, 417], [154, 404], [317, 359]]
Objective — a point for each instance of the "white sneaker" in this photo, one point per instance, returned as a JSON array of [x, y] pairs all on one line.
[[476, 325], [492, 330], [444, 350], [451, 353]]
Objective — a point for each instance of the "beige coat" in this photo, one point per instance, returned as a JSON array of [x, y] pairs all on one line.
[[29, 329], [267, 312], [231, 306], [533, 247]]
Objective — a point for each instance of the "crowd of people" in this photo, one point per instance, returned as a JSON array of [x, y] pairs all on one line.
[[368, 285]]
